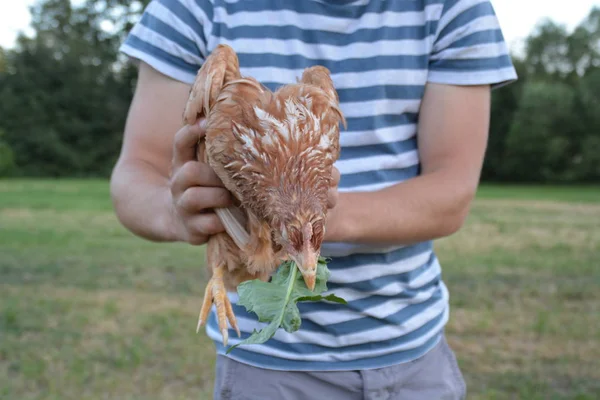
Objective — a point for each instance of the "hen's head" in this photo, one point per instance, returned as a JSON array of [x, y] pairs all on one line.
[[299, 228]]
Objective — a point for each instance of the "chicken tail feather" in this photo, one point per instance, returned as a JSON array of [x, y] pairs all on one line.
[[320, 76], [220, 67]]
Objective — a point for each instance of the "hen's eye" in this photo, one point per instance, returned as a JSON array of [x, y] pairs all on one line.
[[295, 238], [276, 246], [318, 233]]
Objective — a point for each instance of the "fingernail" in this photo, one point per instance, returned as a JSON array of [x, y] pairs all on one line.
[[202, 123]]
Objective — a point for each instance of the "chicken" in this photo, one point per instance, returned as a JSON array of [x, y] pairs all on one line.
[[274, 151]]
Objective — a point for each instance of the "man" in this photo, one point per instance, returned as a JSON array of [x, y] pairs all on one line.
[[414, 80]]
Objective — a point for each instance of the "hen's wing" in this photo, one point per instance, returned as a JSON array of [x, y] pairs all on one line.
[[221, 67], [231, 106]]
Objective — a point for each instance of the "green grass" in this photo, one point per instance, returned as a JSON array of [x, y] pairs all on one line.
[[88, 311], [571, 193]]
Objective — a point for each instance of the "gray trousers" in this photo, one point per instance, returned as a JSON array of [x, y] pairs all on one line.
[[435, 376]]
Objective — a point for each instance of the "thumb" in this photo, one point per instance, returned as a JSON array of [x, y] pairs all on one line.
[[202, 125]]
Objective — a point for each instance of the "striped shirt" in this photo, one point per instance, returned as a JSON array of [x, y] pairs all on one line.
[[380, 54]]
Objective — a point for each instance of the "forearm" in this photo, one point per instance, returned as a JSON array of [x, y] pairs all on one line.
[[452, 138], [423, 208], [142, 200]]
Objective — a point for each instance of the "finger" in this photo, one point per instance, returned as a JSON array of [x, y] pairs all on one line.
[[184, 144], [201, 225], [196, 199], [335, 176], [202, 125], [194, 173], [332, 197]]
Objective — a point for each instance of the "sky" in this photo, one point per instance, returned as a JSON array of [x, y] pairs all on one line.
[[517, 17]]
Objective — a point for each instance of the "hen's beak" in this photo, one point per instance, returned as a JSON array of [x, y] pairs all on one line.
[[307, 264]]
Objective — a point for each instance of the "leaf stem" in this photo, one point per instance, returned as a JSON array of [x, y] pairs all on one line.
[[288, 293]]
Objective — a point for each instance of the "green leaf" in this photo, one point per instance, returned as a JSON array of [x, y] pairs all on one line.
[[275, 301]]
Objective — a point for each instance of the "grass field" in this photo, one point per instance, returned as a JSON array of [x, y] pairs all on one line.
[[88, 311]]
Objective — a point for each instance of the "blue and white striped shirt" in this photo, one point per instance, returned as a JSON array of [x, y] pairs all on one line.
[[380, 54]]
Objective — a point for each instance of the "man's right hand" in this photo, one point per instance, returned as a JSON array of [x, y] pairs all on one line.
[[159, 190], [195, 189]]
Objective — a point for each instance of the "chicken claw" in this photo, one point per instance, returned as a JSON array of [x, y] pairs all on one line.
[[215, 292]]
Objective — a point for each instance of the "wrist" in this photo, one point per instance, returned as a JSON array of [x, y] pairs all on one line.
[[165, 225]]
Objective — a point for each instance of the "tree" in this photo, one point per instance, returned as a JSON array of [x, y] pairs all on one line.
[[2, 61], [587, 160], [504, 106], [65, 93], [538, 144], [553, 53], [545, 126], [7, 158]]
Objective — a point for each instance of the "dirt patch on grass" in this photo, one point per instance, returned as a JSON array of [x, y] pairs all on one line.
[[111, 311], [126, 300], [17, 213], [493, 354], [495, 225]]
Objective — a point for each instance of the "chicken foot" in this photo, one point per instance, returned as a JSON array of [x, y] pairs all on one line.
[[215, 293], [216, 289]]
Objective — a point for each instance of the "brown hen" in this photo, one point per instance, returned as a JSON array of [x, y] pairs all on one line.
[[274, 151]]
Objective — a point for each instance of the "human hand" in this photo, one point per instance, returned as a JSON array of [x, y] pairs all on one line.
[[332, 194], [335, 212], [195, 189]]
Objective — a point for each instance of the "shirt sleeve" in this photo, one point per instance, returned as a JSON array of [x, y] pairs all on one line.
[[469, 47], [171, 37]]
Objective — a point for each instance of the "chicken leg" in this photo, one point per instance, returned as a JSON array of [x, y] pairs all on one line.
[[216, 291]]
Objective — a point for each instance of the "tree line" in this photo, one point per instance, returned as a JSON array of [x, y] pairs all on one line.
[[65, 91]]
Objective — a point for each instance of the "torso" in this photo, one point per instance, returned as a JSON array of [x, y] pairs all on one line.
[[397, 302]]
